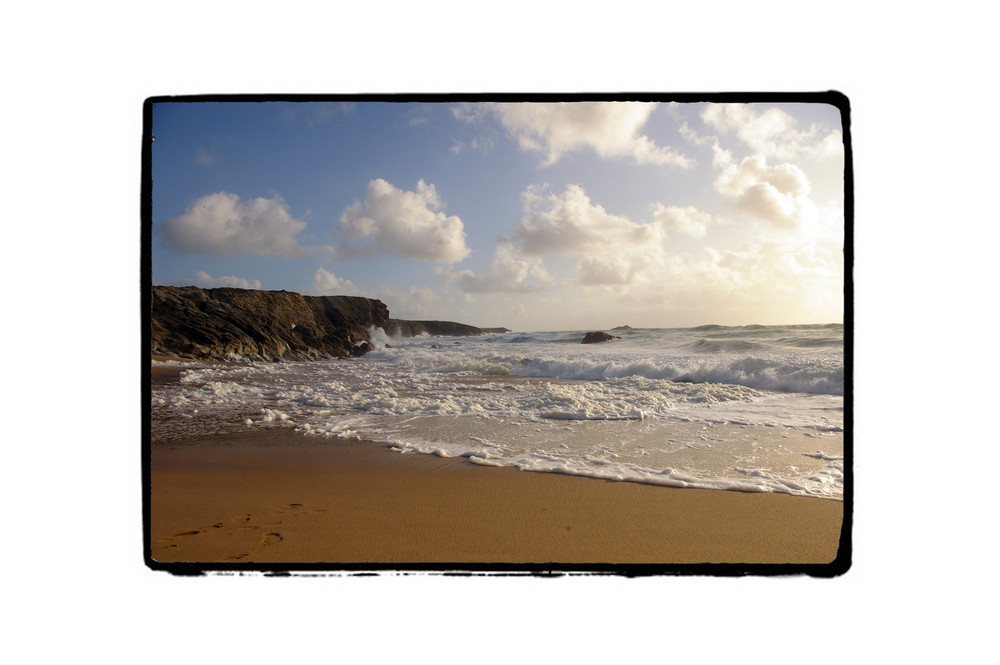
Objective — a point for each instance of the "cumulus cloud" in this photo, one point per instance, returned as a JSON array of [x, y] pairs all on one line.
[[610, 250], [612, 269], [571, 224], [206, 281], [223, 225], [688, 220], [773, 132], [325, 283], [402, 223], [508, 274], [775, 194], [611, 129]]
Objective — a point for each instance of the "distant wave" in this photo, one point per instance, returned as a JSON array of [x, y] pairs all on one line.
[[761, 373], [716, 346], [811, 343]]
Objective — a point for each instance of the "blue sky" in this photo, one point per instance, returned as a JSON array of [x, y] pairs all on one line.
[[533, 216]]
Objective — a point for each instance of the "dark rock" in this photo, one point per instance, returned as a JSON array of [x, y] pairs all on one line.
[[495, 330], [595, 337], [261, 325], [400, 328], [623, 328], [227, 323]]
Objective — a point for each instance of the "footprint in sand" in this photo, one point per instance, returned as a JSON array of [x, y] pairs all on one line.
[[271, 538], [193, 532], [299, 508], [294, 508], [236, 557]]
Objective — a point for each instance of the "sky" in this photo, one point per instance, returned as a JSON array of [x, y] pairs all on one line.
[[532, 215]]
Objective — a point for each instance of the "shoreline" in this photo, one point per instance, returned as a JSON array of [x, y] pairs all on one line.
[[278, 496]]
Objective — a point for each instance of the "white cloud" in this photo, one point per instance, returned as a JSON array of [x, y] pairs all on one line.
[[403, 223], [611, 129], [206, 281], [773, 132], [325, 283], [571, 224], [612, 269], [610, 250], [223, 225], [775, 194], [692, 136], [508, 274], [688, 220]]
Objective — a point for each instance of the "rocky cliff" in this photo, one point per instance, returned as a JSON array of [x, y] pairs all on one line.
[[400, 328], [261, 325], [223, 323]]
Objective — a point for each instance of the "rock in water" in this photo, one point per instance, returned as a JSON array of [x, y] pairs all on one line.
[[595, 337]]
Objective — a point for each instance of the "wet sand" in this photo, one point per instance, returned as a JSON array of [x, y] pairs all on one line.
[[274, 496]]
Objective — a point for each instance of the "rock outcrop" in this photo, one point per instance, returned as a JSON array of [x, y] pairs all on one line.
[[400, 328], [228, 323], [595, 337]]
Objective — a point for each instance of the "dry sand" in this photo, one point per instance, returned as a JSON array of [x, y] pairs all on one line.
[[273, 496]]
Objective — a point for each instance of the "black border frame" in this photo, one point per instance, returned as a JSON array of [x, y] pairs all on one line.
[[840, 565]]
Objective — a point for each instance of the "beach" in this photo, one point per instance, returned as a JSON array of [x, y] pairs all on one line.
[[276, 496]]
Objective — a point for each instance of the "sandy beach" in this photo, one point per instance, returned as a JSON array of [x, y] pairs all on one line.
[[275, 496]]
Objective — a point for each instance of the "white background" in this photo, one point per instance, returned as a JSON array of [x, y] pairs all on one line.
[[923, 99]]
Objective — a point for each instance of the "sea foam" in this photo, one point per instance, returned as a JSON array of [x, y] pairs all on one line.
[[714, 407]]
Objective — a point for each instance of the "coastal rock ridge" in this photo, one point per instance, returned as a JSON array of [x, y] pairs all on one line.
[[229, 323]]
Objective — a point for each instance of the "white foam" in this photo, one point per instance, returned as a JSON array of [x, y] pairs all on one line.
[[545, 402]]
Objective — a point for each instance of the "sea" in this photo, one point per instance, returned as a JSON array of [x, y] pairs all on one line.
[[732, 408]]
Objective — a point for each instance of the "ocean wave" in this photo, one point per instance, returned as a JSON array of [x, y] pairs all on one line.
[[650, 407], [758, 372], [717, 346]]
